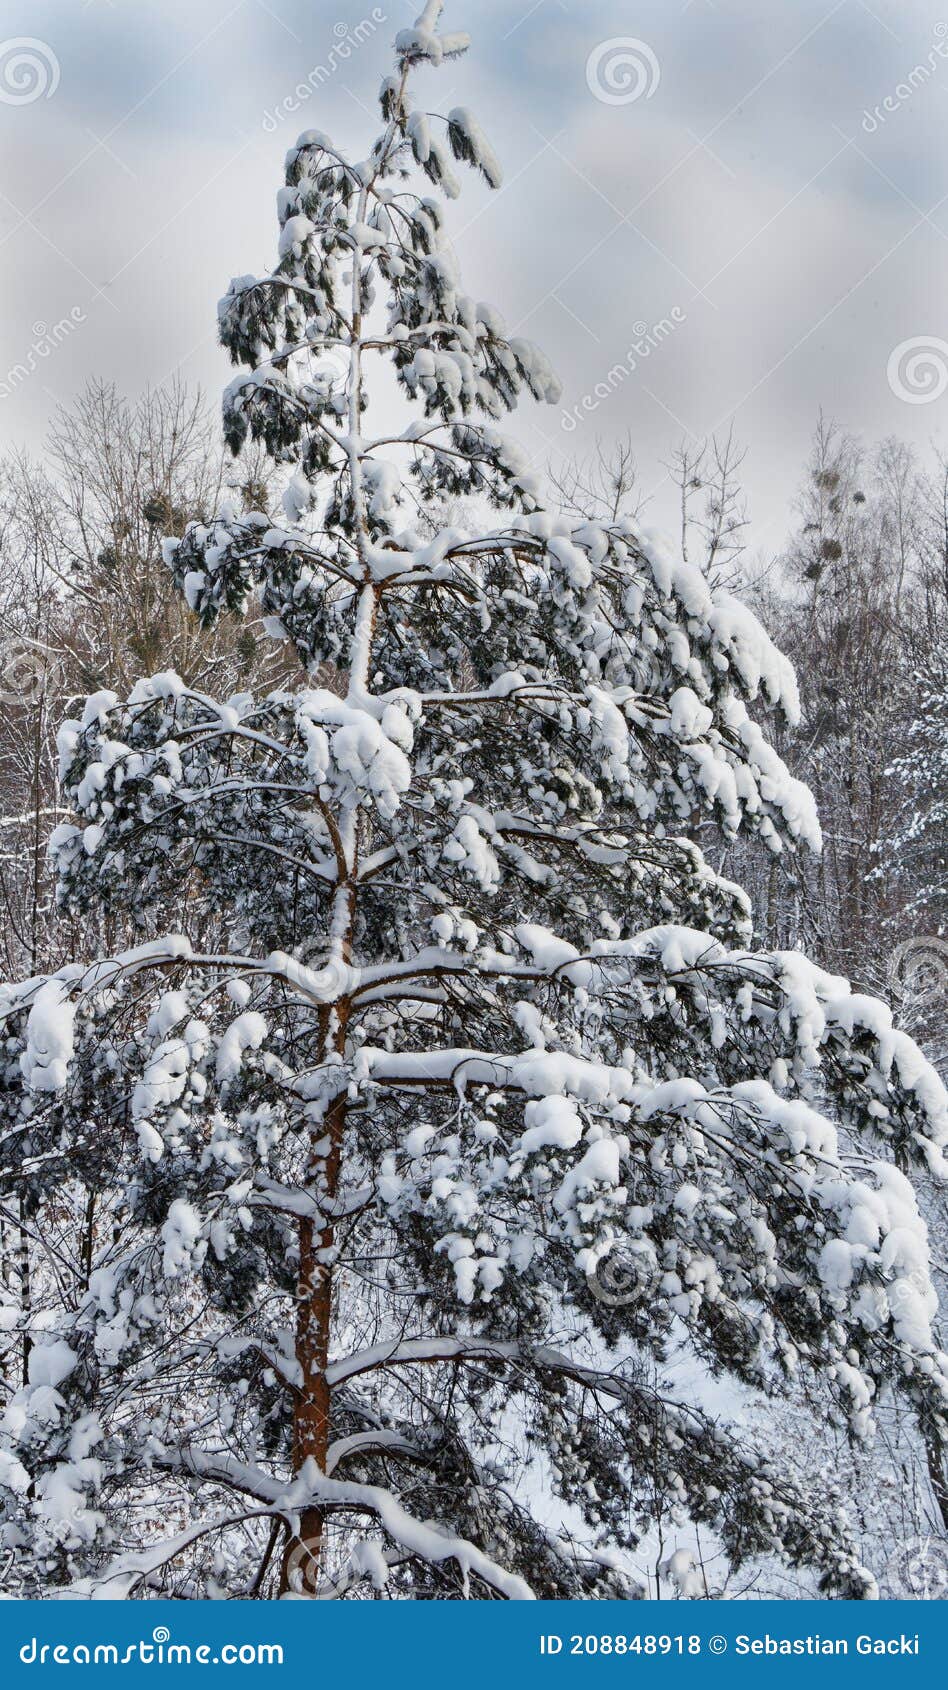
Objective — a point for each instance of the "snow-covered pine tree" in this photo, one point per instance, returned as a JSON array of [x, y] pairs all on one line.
[[445, 1137]]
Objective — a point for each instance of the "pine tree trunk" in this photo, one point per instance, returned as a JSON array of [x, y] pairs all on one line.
[[303, 1554]]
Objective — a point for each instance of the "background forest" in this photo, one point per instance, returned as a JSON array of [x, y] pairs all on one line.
[[857, 597], [401, 782]]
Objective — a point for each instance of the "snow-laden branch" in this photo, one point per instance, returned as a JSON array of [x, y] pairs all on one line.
[[311, 1489]]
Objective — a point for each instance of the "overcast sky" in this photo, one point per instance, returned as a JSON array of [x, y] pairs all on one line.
[[767, 177]]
